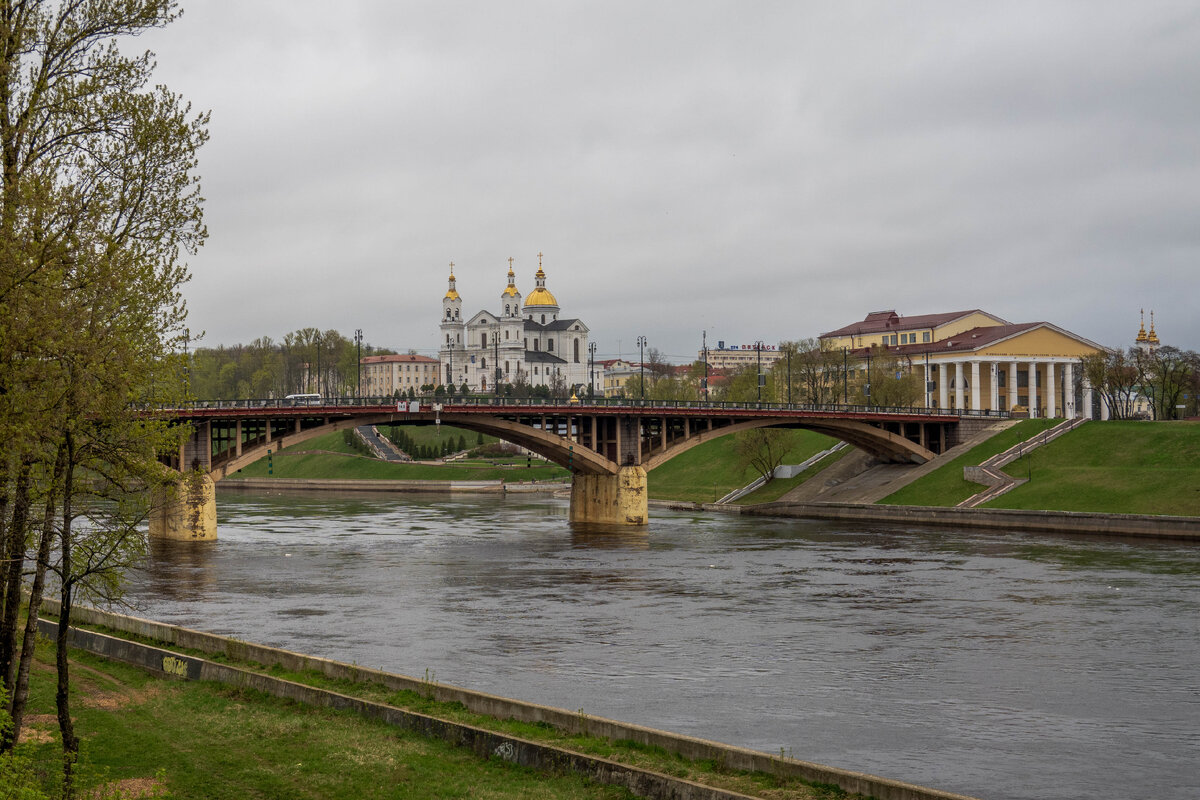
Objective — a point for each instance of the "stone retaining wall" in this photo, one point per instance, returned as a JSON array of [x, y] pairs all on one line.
[[484, 742], [1137, 525]]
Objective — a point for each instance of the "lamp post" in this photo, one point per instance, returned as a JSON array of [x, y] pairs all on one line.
[[358, 350], [704, 348], [591, 371], [758, 346], [789, 373], [450, 367], [845, 377], [641, 343], [318, 366], [496, 358]]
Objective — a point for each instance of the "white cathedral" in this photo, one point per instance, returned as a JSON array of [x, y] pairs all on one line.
[[522, 342]]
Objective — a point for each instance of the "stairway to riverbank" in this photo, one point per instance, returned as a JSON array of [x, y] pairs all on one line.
[[991, 472]]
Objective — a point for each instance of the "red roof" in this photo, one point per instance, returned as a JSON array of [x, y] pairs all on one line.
[[881, 321]]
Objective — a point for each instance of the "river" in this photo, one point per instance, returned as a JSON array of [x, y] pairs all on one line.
[[997, 665]]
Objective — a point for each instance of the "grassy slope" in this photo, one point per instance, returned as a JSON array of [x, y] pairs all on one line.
[[781, 486], [207, 741], [1113, 467], [945, 485], [429, 435], [710, 471], [339, 462]]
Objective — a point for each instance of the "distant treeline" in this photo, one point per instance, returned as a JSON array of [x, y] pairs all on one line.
[[307, 360]]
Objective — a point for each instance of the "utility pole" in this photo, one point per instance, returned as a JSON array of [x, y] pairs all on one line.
[[358, 350], [496, 357], [318, 366], [845, 377], [704, 348]]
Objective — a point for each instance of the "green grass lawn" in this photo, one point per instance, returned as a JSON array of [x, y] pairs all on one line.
[[710, 471], [945, 485], [328, 457], [430, 436], [200, 740], [781, 486], [1116, 467]]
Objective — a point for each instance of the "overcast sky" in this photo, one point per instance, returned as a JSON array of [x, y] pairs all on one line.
[[757, 170]]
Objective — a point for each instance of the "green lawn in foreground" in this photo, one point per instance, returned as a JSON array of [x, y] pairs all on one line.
[[945, 485], [200, 740], [1115, 467], [710, 471], [327, 457]]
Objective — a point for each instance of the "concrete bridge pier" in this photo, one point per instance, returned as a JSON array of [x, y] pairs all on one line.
[[186, 511], [610, 499]]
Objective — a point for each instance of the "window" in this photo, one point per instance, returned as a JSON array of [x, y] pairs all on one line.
[[543, 319], [506, 335], [577, 351], [483, 339], [550, 345], [447, 338], [448, 312], [526, 342], [537, 344], [925, 336], [506, 311], [483, 363]]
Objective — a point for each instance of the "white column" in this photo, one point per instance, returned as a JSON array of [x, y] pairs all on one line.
[[1088, 399], [975, 386], [1033, 406], [1069, 390], [1051, 394], [994, 375], [944, 385], [1013, 391], [958, 385], [928, 397]]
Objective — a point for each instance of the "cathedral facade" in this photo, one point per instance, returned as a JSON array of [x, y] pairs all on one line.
[[522, 341]]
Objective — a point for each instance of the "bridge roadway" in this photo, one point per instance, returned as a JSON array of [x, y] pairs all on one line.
[[608, 445]]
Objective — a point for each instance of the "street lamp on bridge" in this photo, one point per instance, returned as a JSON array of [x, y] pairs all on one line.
[[641, 343], [591, 371], [358, 350], [759, 346]]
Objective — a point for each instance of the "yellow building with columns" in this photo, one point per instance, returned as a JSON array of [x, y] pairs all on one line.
[[978, 361]]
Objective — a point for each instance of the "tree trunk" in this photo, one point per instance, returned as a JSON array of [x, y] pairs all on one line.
[[15, 558], [62, 697], [20, 689]]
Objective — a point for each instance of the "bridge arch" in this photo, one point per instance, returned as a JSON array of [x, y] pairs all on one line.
[[882, 444]]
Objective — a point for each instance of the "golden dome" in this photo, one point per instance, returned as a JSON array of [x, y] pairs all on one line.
[[511, 289], [541, 295], [1141, 336], [451, 293], [1153, 337]]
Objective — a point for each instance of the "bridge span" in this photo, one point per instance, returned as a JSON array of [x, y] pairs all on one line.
[[608, 445]]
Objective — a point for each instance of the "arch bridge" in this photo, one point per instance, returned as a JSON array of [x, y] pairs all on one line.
[[608, 445]]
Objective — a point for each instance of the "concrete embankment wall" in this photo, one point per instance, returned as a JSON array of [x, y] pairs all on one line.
[[298, 484], [1135, 525], [483, 742]]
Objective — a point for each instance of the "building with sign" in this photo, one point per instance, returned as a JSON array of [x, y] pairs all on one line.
[[735, 357], [526, 341]]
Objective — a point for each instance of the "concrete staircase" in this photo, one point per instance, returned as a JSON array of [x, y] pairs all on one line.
[[991, 472]]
